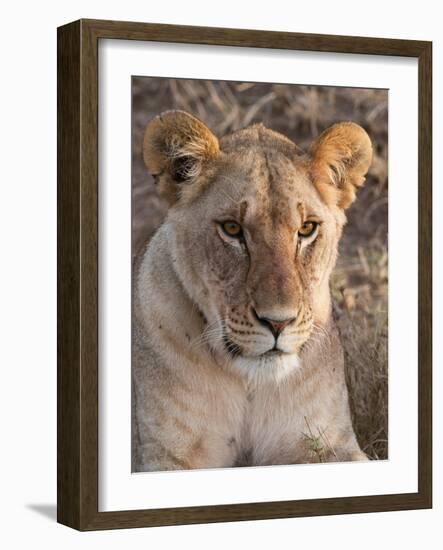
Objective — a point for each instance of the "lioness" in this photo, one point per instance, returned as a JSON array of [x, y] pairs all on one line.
[[236, 359]]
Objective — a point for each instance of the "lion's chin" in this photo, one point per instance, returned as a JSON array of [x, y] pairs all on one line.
[[273, 366]]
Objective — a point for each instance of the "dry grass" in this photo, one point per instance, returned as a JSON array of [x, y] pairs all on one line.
[[360, 281]]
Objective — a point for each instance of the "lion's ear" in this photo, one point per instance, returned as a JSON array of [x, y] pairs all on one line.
[[340, 159], [176, 146]]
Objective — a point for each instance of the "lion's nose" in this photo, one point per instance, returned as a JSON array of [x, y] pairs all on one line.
[[274, 325]]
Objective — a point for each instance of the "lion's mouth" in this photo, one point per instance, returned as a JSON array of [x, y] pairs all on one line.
[[234, 350], [274, 352]]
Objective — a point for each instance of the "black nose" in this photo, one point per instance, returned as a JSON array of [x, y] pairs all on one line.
[[276, 327]]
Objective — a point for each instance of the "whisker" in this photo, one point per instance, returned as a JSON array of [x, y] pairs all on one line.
[[209, 332]]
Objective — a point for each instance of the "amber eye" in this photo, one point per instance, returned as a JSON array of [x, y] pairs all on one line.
[[232, 229], [307, 229]]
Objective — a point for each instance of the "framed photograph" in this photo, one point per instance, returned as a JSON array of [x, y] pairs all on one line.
[[244, 275]]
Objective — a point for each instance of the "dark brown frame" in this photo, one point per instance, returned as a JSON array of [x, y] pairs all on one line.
[[77, 456]]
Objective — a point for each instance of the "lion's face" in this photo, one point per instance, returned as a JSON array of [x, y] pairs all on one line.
[[262, 243], [256, 225]]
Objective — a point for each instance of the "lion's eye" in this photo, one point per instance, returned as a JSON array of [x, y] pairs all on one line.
[[232, 229], [307, 229]]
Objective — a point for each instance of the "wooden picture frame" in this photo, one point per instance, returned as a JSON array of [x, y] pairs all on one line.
[[77, 456]]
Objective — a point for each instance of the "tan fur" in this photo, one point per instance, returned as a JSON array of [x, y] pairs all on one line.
[[172, 138], [208, 392], [342, 156]]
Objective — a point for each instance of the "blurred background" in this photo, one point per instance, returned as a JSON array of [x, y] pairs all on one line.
[[360, 281]]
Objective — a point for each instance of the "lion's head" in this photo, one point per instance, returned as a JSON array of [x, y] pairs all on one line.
[[255, 226]]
